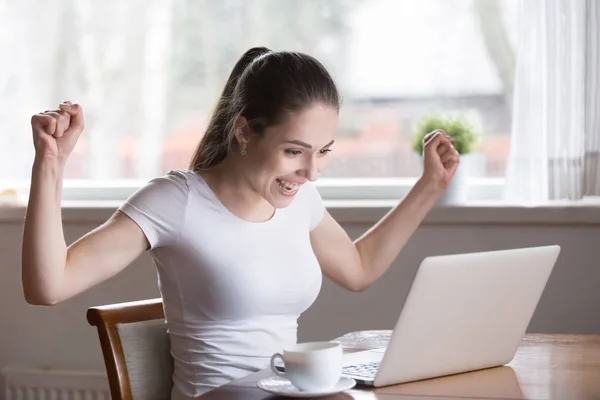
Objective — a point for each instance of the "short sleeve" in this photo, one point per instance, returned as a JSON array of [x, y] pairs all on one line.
[[158, 208], [314, 204]]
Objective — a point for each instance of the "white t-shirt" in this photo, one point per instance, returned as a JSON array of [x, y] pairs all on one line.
[[232, 290]]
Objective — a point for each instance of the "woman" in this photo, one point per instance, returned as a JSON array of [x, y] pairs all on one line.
[[241, 239]]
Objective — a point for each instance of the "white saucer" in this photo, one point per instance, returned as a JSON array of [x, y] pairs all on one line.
[[284, 387]]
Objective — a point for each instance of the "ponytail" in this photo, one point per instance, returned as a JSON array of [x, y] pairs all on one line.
[[218, 137]]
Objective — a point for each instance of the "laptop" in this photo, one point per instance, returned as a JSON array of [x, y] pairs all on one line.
[[463, 312]]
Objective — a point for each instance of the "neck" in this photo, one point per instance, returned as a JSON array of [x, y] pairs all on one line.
[[231, 186]]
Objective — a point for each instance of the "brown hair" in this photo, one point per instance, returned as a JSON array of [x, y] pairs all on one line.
[[263, 86]]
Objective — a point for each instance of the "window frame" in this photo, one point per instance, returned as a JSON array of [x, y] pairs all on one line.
[[331, 189]]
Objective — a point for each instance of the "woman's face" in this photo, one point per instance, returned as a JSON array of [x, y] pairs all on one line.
[[287, 155]]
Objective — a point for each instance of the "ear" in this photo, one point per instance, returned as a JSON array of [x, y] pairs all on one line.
[[242, 130]]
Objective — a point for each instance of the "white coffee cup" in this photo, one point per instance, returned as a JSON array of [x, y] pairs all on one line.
[[311, 367]]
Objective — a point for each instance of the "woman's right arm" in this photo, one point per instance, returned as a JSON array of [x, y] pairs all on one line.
[[51, 271]]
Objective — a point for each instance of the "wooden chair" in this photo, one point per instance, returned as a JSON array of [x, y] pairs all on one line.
[[136, 349]]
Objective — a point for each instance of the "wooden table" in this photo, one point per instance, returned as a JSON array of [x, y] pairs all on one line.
[[565, 367]]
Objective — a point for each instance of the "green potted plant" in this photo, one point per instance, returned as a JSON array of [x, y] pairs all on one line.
[[465, 138]]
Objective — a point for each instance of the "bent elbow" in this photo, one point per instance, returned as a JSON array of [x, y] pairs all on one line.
[[40, 301], [357, 287], [360, 282], [36, 298]]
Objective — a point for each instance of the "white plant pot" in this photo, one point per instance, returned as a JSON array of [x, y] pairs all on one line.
[[458, 189]]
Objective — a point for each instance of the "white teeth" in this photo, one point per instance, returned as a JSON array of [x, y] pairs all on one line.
[[287, 187]]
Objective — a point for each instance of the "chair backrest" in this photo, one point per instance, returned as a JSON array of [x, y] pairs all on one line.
[[136, 349]]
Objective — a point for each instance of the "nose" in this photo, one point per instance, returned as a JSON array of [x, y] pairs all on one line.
[[312, 170]]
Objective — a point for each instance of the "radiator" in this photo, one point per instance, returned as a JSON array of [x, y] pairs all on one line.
[[29, 384]]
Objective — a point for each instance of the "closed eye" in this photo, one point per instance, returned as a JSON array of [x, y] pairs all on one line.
[[324, 151]]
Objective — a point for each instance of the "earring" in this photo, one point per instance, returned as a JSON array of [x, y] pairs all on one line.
[[243, 152]]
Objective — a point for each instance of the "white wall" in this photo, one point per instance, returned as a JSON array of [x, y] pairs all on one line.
[[59, 336]]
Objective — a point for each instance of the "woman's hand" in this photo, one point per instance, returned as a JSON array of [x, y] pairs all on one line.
[[55, 132], [440, 160]]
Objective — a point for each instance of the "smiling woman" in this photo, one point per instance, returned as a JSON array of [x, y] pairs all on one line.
[[219, 230], [270, 132]]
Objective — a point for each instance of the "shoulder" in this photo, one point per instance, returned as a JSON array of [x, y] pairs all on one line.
[[168, 190], [172, 183], [159, 207], [175, 177]]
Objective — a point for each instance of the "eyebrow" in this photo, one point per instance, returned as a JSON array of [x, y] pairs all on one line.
[[304, 144]]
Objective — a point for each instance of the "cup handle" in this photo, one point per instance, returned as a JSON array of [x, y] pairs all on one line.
[[273, 368]]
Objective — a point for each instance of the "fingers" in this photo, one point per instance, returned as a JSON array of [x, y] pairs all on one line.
[[441, 144], [448, 156], [69, 107], [445, 151], [68, 118], [43, 123], [76, 115], [62, 122], [434, 141], [436, 138], [431, 144], [430, 136]]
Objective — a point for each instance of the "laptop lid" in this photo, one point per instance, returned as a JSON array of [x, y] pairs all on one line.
[[466, 312]]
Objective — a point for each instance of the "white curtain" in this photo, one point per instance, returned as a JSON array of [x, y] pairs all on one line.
[[555, 143]]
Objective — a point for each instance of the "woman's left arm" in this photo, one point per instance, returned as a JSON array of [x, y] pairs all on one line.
[[356, 265]]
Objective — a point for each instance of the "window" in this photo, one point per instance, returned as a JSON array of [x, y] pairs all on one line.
[[148, 73]]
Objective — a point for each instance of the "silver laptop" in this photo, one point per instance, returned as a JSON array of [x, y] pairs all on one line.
[[464, 312]]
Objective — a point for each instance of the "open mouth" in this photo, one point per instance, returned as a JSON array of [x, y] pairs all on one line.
[[287, 188]]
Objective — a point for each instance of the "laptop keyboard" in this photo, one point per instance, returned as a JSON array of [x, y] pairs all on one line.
[[366, 370]]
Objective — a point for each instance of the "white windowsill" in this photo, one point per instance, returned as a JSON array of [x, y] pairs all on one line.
[[364, 201], [330, 189]]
